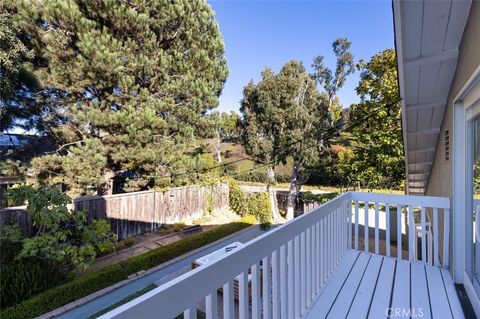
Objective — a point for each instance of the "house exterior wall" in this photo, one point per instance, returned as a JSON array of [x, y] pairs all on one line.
[[441, 176], [440, 182]]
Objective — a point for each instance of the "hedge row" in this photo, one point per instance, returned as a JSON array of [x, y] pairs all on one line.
[[261, 177], [321, 198], [109, 275]]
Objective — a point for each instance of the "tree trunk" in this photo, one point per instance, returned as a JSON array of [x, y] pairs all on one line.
[[272, 192], [293, 192], [106, 188], [217, 146], [219, 153]]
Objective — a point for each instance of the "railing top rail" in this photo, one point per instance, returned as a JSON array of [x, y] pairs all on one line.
[[410, 200], [221, 271]]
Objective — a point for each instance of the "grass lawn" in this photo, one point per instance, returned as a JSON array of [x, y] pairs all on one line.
[[328, 189]]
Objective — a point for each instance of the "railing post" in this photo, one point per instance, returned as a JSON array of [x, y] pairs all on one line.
[[387, 226], [411, 232], [348, 208], [228, 300], [436, 256], [424, 235], [211, 305], [377, 236], [266, 286], [399, 231], [446, 238], [255, 290], [366, 227], [356, 224]]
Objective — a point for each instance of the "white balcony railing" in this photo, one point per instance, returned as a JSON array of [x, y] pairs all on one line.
[[281, 273]]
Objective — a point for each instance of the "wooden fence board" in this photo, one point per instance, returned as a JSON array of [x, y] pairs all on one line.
[[134, 213]]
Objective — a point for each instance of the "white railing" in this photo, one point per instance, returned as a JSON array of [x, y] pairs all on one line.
[[388, 206], [279, 274]]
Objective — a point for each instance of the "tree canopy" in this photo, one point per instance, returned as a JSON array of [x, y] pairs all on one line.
[[18, 107], [376, 158], [332, 81], [130, 80], [284, 115]]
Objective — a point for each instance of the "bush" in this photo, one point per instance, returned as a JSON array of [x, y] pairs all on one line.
[[258, 205], [236, 198], [261, 177], [107, 276], [27, 277], [321, 198], [64, 236]]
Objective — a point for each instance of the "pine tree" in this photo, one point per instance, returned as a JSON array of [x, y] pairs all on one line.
[[132, 80], [17, 84]]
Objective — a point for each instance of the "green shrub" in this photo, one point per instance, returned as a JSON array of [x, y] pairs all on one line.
[[109, 275], [63, 235], [236, 198], [25, 278], [258, 205], [261, 177], [321, 198], [119, 245]]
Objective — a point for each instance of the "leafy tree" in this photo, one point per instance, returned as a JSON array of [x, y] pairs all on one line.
[[377, 158], [62, 235], [17, 84], [232, 124], [133, 81], [284, 115], [263, 126], [333, 81], [221, 126]]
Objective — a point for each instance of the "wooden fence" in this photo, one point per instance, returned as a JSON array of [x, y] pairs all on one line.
[[134, 213]]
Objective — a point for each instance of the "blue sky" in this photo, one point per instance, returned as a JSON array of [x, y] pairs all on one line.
[[269, 33]]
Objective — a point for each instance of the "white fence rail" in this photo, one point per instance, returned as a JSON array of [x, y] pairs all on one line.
[[277, 275]]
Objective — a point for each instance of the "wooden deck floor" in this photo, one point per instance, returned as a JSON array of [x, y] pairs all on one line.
[[370, 286]]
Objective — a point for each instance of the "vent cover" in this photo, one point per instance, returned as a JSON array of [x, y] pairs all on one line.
[[447, 145]]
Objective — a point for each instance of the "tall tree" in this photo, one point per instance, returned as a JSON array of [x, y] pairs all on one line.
[[377, 160], [132, 79], [263, 125], [308, 127], [284, 115], [333, 81]]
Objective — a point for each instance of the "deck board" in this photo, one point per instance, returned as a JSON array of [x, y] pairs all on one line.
[[365, 285], [345, 297], [383, 290], [333, 287], [454, 302], [361, 303], [420, 295], [438, 295], [401, 287]]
